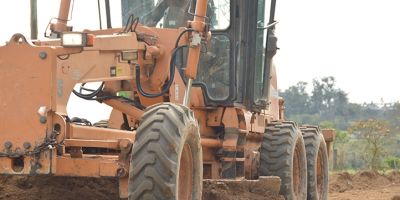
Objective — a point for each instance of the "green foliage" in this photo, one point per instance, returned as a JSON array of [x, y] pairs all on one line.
[[306, 118], [325, 103], [342, 137], [326, 124], [392, 162], [328, 106], [329, 103], [373, 132]]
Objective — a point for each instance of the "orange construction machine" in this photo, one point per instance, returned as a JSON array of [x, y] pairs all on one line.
[[194, 96]]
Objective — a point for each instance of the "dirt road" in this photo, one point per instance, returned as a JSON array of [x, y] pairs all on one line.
[[343, 186]]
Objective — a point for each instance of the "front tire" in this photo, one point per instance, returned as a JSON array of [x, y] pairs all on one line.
[[166, 159], [317, 163], [283, 154]]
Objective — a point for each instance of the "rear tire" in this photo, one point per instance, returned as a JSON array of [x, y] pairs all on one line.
[[283, 154], [317, 163], [166, 159]]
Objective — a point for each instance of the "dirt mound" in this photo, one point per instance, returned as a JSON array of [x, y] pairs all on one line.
[[397, 197], [62, 188], [369, 179], [344, 181], [394, 177], [340, 182]]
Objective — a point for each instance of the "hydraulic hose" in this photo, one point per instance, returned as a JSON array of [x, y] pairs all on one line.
[[180, 36], [167, 85], [91, 95]]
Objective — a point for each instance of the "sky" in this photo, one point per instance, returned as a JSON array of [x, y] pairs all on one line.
[[356, 41]]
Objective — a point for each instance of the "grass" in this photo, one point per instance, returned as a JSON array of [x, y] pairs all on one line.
[[355, 171]]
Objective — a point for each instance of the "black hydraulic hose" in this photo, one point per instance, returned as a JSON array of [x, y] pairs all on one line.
[[180, 35], [126, 122], [167, 85], [91, 95]]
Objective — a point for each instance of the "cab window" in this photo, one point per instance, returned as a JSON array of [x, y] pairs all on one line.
[[175, 13], [262, 31]]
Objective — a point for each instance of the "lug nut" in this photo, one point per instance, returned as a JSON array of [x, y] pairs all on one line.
[[42, 55], [43, 119], [27, 145]]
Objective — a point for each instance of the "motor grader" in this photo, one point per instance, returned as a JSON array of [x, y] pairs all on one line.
[[193, 92]]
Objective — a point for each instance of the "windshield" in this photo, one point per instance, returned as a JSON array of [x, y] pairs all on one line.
[[175, 13], [214, 67], [214, 71]]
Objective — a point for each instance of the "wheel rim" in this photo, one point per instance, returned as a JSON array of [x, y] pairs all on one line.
[[185, 186], [296, 171], [320, 174]]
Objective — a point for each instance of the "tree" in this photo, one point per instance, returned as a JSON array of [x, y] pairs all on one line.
[[296, 99], [328, 100], [373, 132], [392, 114], [340, 103]]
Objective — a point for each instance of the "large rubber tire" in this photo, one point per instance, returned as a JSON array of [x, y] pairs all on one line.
[[283, 154], [317, 163], [166, 162]]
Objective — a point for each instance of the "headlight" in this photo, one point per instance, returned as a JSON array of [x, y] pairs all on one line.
[[129, 55], [74, 39]]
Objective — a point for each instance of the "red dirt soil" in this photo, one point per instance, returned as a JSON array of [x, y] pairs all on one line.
[[61, 188], [365, 185], [343, 186], [67, 188]]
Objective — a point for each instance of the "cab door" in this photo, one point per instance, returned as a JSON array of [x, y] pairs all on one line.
[[262, 43]]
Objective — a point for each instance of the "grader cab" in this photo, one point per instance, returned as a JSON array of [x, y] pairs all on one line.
[[194, 95]]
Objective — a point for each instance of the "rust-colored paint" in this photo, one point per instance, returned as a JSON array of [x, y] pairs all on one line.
[[198, 25], [123, 187], [61, 24], [211, 143], [124, 107], [273, 108], [252, 155], [94, 133], [88, 166], [329, 136]]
